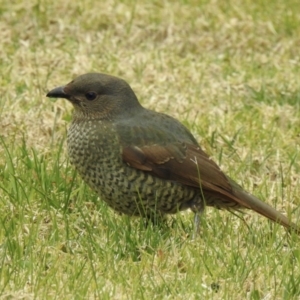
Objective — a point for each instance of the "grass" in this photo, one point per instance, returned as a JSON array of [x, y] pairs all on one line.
[[229, 70]]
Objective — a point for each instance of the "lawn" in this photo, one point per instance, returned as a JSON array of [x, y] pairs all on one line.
[[229, 70]]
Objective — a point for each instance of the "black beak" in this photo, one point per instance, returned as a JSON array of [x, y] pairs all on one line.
[[58, 93]]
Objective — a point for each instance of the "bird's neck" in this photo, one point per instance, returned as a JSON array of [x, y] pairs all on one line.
[[107, 114], [80, 116]]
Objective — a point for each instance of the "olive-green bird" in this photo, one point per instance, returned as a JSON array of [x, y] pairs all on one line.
[[141, 162]]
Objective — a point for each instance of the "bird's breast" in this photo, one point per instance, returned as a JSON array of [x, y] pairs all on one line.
[[93, 149], [96, 152]]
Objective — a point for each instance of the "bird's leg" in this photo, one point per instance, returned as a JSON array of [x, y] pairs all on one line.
[[198, 209], [196, 224]]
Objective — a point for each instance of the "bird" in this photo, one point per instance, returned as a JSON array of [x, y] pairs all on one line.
[[142, 162]]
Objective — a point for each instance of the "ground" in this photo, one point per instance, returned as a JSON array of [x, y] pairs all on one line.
[[229, 70]]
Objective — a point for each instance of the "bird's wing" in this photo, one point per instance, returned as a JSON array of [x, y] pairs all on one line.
[[181, 162], [171, 154], [186, 163]]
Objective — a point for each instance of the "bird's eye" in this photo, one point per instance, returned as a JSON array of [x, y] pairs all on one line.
[[90, 96]]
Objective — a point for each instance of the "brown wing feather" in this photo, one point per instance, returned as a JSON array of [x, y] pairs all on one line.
[[184, 163], [191, 166]]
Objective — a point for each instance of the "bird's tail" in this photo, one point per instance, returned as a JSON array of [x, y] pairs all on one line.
[[250, 201]]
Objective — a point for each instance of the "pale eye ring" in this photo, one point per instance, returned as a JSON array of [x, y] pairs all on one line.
[[90, 96]]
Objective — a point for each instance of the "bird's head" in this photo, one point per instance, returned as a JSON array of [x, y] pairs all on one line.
[[100, 96]]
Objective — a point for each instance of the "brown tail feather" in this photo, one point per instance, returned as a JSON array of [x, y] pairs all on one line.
[[265, 209]]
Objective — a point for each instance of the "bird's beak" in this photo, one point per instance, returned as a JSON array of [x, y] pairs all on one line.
[[58, 93]]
